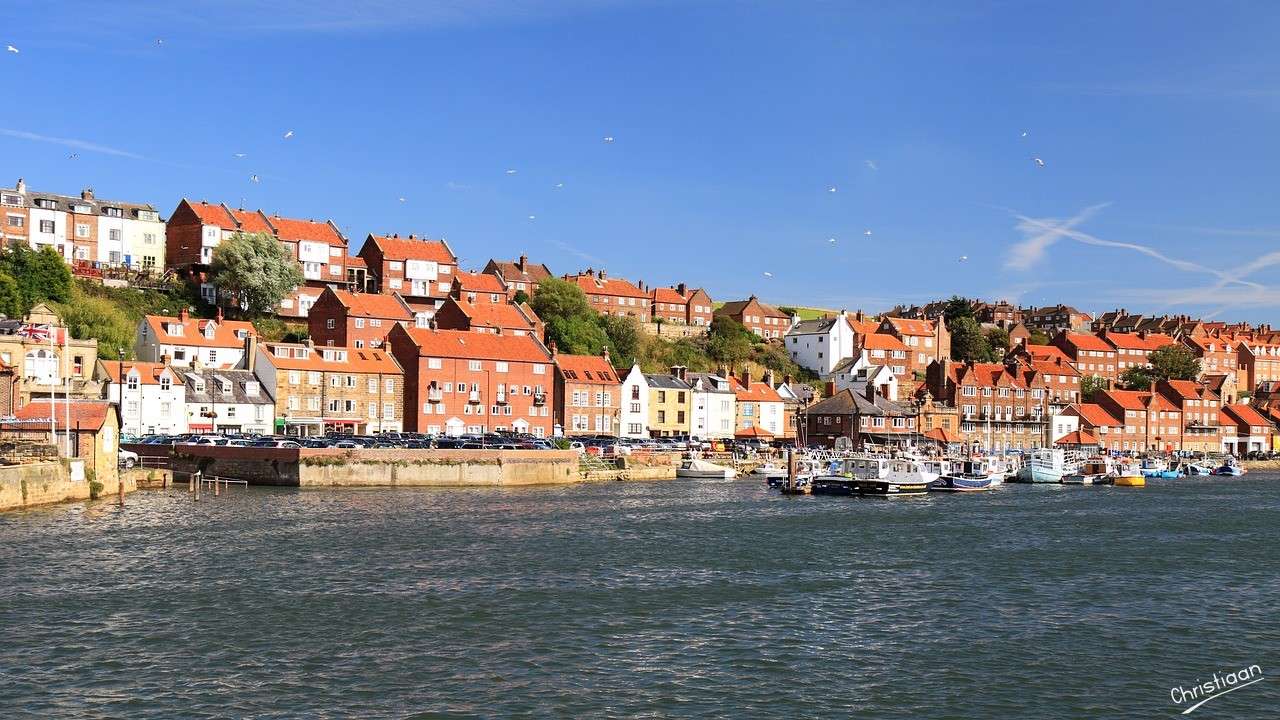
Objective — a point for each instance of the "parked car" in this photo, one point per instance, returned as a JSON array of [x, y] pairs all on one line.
[[128, 459]]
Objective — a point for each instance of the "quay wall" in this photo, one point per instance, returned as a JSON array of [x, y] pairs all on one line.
[[372, 467], [1260, 464], [24, 486]]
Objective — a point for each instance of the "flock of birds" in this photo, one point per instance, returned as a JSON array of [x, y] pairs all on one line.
[[608, 140]]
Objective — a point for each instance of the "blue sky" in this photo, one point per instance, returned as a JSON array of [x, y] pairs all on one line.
[[731, 121]]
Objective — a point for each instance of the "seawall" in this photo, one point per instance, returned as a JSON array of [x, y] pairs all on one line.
[[331, 467], [24, 486]]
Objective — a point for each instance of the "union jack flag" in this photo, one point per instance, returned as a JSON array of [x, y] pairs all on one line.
[[38, 333]]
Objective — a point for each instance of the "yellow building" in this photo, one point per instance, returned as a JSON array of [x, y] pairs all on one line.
[[46, 359], [670, 406]]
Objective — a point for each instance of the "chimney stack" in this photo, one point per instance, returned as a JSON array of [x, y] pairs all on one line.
[[523, 263], [21, 186], [218, 314], [745, 376], [605, 354], [681, 288], [870, 392], [831, 388], [602, 274], [552, 348], [86, 194], [182, 315], [768, 377], [722, 371]]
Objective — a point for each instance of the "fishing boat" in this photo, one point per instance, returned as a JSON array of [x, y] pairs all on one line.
[[701, 469], [1197, 469], [1128, 474], [1045, 465], [1229, 468], [877, 476], [968, 476], [772, 473], [1154, 467], [1095, 471]]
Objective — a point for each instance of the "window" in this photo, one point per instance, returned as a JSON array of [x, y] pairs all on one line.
[[16, 221], [46, 226], [82, 231], [390, 386], [389, 411], [331, 323], [500, 367], [373, 386], [114, 234]]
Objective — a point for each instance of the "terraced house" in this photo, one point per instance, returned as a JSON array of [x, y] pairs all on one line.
[[84, 228], [670, 405], [1216, 352], [1001, 407], [1200, 408], [681, 305], [925, 341], [588, 394], [323, 389], [421, 270], [760, 318], [612, 296], [759, 407], [1259, 362], [459, 382], [343, 319], [149, 395], [862, 419], [1148, 420], [518, 276], [1132, 349], [232, 401], [1092, 356], [183, 340]]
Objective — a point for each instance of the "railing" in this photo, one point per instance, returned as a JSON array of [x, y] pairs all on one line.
[[473, 397], [435, 396]]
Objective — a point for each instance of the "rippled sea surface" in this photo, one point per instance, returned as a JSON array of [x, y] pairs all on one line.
[[688, 599]]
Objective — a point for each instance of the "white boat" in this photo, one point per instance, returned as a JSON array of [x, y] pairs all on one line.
[[1096, 471], [1045, 465], [770, 472], [704, 469]]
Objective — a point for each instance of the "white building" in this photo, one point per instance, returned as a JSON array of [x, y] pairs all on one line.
[[232, 401], [714, 406], [633, 418], [856, 373], [182, 340], [84, 228], [821, 344], [150, 397], [1061, 425]]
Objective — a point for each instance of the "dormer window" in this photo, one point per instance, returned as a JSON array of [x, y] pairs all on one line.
[[251, 388], [131, 382], [165, 383], [281, 352], [46, 203], [174, 329], [242, 334], [80, 208], [209, 330], [198, 385], [112, 212], [225, 387]]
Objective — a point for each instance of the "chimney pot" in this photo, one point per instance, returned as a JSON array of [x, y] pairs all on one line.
[[183, 315]]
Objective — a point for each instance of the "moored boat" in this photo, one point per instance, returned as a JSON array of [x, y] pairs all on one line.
[[1229, 468], [876, 476], [1096, 471], [1128, 474], [1197, 469], [770, 472], [1045, 465], [701, 469], [969, 476]]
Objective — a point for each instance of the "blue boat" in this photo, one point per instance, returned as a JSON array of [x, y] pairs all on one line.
[[1158, 468], [1045, 465], [972, 475], [1230, 468]]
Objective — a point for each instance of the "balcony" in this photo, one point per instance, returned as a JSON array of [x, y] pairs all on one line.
[[473, 397], [500, 398], [435, 395], [539, 398]]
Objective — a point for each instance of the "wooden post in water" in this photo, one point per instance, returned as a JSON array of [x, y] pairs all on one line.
[[191, 483], [199, 478], [215, 486], [791, 470], [120, 488]]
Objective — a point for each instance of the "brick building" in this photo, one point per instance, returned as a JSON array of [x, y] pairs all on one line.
[[1132, 349], [588, 394], [925, 340], [681, 305], [497, 319], [421, 270], [1057, 318], [1000, 407], [183, 339], [1149, 422], [460, 382], [1200, 409], [758, 405], [1216, 353], [1061, 379], [343, 319], [1092, 356], [612, 296], [520, 275], [324, 389], [1259, 362], [862, 418], [760, 318], [1253, 432]]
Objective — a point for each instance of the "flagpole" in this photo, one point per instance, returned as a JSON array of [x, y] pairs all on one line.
[[53, 399], [66, 409]]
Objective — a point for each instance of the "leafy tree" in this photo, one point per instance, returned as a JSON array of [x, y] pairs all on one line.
[[520, 297], [557, 298], [727, 327], [624, 338], [11, 304], [967, 340], [1171, 362], [957, 307], [997, 343], [256, 269], [1039, 337], [1091, 385], [40, 275], [88, 317], [576, 334]]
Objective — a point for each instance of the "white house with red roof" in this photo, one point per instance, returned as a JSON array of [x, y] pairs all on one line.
[[821, 344], [149, 396], [759, 407], [183, 340]]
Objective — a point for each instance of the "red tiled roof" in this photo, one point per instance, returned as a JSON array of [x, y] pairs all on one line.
[[212, 214], [1084, 341], [1096, 415], [1134, 341], [756, 392], [148, 372], [882, 341], [479, 282], [251, 221], [987, 375], [1186, 389], [494, 315], [1049, 367], [862, 327], [943, 435], [593, 285], [1047, 352], [669, 295], [224, 335], [589, 368], [359, 360], [1137, 400], [309, 230], [355, 261], [477, 346], [755, 431], [1245, 414], [414, 248], [911, 327], [374, 305], [1078, 437], [85, 415]]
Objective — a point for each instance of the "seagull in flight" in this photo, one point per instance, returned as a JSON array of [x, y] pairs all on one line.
[[401, 199], [159, 41], [559, 185], [831, 240], [239, 156], [1039, 162], [12, 49], [608, 139], [871, 164], [867, 233], [254, 179], [831, 189], [73, 156], [533, 217], [768, 274], [1026, 133], [964, 258], [288, 135], [511, 171]]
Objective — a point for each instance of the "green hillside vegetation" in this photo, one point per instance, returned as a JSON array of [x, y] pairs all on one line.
[[806, 313]]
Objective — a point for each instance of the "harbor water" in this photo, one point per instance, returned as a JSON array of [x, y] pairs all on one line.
[[663, 599]]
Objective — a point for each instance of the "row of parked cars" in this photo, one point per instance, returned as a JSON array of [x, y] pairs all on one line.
[[495, 441]]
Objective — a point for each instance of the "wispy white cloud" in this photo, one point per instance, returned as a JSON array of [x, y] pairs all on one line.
[[571, 250], [1041, 235], [71, 143]]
